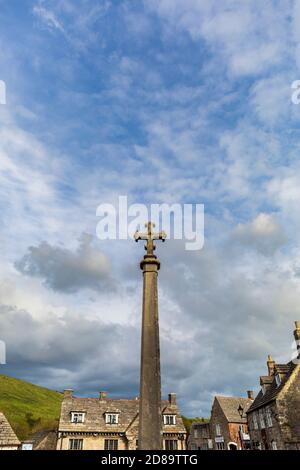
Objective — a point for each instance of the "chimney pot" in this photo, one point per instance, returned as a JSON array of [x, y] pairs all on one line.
[[250, 394], [297, 330], [102, 395], [172, 398], [297, 336], [270, 365], [68, 393]]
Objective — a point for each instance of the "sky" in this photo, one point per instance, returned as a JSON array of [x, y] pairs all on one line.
[[164, 101]]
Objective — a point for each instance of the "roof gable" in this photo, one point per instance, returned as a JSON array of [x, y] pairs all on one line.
[[7, 435], [230, 407], [96, 409], [273, 390]]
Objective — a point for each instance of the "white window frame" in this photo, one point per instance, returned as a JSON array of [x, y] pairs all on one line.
[[262, 419], [77, 446], [112, 418], [171, 444], [169, 420], [75, 417], [111, 444], [255, 420], [218, 430], [278, 380], [269, 417], [220, 445]]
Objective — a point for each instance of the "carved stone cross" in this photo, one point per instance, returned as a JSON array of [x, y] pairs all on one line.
[[150, 236]]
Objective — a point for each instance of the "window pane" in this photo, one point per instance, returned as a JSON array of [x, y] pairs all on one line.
[[76, 444], [171, 444], [111, 444]]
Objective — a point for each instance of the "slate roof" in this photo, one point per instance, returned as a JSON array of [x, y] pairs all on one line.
[[285, 371], [7, 435], [95, 410], [45, 439], [230, 406]]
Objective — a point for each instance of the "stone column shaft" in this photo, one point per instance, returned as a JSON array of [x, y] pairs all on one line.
[[150, 421]]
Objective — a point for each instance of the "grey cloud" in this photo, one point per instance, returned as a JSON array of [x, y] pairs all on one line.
[[264, 233], [67, 271], [218, 324], [87, 355]]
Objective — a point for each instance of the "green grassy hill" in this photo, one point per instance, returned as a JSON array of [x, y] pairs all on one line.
[[188, 422], [28, 408]]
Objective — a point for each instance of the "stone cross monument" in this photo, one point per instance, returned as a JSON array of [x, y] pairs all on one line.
[[150, 423]]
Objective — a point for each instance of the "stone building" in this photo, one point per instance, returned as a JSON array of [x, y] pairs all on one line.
[[200, 438], [8, 438], [274, 416], [112, 424], [44, 440], [228, 422]]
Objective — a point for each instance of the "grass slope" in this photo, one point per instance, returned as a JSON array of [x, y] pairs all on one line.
[[188, 422], [28, 408]]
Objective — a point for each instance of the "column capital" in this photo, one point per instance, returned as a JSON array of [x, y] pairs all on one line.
[[150, 263]]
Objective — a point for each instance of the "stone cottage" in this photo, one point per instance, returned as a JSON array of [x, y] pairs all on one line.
[[274, 416], [228, 422], [8, 438], [112, 424], [200, 438]]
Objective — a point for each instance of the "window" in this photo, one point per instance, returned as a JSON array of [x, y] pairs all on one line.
[[218, 430], [255, 422], [269, 417], [220, 445], [278, 379], [111, 444], [75, 444], [262, 419], [111, 418], [171, 444], [274, 445], [170, 419], [77, 417], [196, 433], [242, 428]]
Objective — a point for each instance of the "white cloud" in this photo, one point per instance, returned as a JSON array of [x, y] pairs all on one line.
[[264, 233], [48, 17], [249, 39], [270, 98]]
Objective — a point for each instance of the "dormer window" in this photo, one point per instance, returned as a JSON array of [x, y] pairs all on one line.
[[170, 420], [112, 418], [278, 379], [77, 417]]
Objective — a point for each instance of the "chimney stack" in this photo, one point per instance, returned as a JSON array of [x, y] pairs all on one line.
[[102, 395], [271, 365], [172, 398], [250, 394], [68, 393], [297, 336]]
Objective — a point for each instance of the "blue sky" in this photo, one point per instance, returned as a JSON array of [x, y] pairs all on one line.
[[163, 101]]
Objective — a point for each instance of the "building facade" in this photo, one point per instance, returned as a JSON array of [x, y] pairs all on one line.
[[112, 424], [228, 422], [8, 438], [274, 416], [200, 438]]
